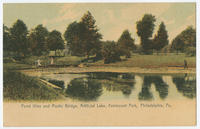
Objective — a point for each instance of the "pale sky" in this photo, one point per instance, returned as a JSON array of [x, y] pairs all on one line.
[[111, 18]]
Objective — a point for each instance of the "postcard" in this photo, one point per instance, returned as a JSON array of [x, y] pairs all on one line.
[[99, 64]]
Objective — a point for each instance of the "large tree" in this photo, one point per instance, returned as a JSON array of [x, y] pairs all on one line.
[[37, 39], [188, 36], [126, 44], [145, 29], [85, 34], [55, 41], [178, 44], [74, 35], [184, 40], [19, 33], [161, 38]]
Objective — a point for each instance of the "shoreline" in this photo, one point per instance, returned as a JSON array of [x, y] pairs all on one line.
[[137, 70]]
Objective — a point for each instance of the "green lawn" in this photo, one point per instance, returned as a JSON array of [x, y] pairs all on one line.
[[17, 86], [151, 61]]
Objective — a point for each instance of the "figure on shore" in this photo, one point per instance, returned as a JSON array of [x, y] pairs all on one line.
[[185, 64], [52, 61]]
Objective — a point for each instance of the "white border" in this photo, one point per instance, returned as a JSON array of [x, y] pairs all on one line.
[[105, 1]]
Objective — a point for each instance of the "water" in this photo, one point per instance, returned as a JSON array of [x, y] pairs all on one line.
[[107, 86]]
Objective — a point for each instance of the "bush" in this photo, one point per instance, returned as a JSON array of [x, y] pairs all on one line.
[[110, 52]]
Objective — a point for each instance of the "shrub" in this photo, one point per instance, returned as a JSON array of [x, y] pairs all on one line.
[[110, 52]]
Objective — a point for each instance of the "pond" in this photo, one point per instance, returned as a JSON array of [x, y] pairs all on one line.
[[108, 86]]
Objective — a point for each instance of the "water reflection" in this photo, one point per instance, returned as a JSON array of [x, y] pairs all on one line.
[[160, 86], [123, 82], [106, 85], [84, 89], [186, 85]]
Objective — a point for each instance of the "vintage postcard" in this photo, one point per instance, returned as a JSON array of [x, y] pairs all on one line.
[[99, 64]]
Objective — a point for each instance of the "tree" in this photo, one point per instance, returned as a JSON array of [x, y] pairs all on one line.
[[37, 39], [19, 33], [84, 35], [178, 44], [126, 44], [74, 35], [161, 38], [55, 41], [6, 39], [145, 29], [189, 37], [186, 39], [110, 52], [92, 42]]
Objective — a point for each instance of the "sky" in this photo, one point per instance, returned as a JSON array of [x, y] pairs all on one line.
[[111, 18]]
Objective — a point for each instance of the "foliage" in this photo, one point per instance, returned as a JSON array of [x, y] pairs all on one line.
[[18, 33], [178, 44], [110, 52], [187, 38], [83, 37], [126, 44], [55, 40], [74, 35], [161, 38], [37, 39], [145, 29]]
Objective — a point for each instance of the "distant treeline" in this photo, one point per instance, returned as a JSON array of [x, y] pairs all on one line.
[[83, 39]]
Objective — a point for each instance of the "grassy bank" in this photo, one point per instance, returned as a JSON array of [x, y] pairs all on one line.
[[151, 61], [17, 86]]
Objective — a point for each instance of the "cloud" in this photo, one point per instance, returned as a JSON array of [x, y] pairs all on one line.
[[127, 18], [67, 13], [113, 19]]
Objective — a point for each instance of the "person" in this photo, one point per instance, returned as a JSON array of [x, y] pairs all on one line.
[[185, 64], [38, 63], [52, 61]]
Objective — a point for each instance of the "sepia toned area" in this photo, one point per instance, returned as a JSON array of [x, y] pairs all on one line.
[[120, 64]]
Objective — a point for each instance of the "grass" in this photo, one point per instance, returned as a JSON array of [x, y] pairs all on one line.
[[151, 61], [17, 86], [136, 60], [69, 60]]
